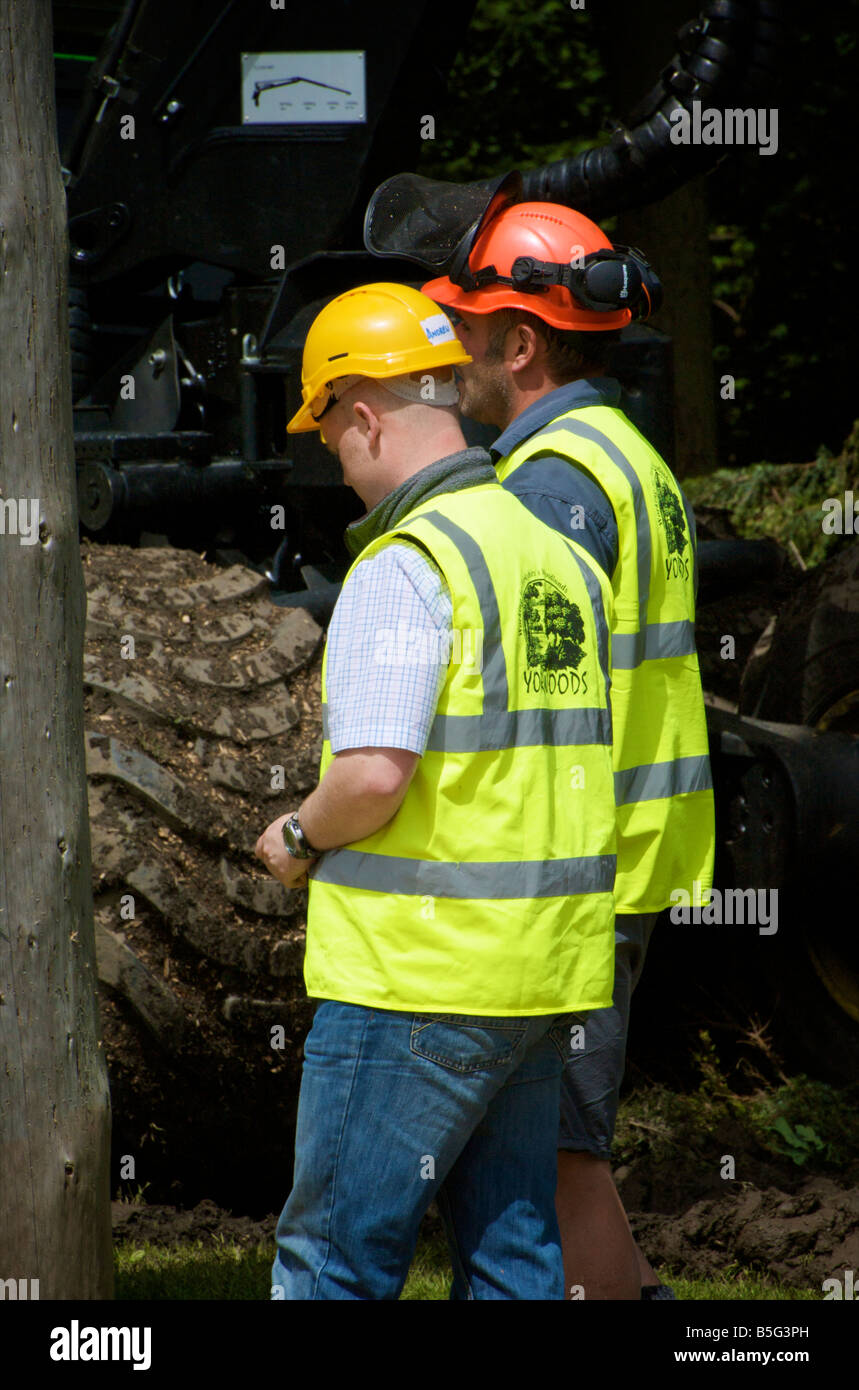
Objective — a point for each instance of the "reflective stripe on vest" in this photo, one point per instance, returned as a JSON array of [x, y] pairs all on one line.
[[527, 878], [654, 780], [515, 728]]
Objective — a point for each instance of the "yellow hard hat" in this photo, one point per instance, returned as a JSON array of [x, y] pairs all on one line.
[[381, 330]]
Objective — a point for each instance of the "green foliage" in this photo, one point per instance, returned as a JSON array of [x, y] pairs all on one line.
[[659, 1122], [783, 500], [800, 1143], [527, 87], [808, 1121], [138, 1199], [732, 260], [781, 237]]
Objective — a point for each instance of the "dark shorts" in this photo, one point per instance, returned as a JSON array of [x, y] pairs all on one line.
[[590, 1085]]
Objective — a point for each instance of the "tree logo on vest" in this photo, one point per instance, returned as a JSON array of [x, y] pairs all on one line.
[[670, 512], [554, 635]]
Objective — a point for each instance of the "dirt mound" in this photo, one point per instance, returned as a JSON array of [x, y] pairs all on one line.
[[202, 724], [207, 1223], [798, 1238]]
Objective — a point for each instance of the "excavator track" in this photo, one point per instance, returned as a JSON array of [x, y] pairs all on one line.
[[202, 725]]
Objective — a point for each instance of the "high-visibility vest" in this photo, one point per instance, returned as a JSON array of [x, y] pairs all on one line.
[[490, 889], [663, 782]]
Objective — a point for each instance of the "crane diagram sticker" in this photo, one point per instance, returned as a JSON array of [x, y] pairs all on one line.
[[303, 88], [554, 634]]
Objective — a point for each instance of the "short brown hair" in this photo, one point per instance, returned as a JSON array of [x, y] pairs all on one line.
[[569, 354]]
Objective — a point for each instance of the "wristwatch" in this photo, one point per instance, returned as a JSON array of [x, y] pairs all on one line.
[[296, 841]]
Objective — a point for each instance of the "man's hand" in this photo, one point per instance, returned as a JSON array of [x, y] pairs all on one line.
[[360, 792], [282, 865]]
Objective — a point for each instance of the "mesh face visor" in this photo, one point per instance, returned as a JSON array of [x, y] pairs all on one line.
[[427, 220]]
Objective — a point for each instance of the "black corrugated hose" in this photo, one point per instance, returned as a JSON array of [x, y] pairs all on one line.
[[729, 56]]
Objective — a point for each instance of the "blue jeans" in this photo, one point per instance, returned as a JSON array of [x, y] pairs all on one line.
[[398, 1108]]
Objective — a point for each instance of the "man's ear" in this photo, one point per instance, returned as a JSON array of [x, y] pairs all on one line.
[[526, 346], [368, 422]]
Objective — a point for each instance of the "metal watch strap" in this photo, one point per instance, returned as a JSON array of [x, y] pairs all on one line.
[[304, 849]]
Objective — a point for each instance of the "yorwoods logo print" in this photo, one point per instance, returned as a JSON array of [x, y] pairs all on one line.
[[670, 512], [554, 636]]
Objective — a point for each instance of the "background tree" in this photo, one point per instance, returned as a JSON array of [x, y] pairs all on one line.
[[782, 234], [54, 1101], [537, 82]]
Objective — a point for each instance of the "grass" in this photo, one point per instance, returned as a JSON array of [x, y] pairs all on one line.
[[751, 1287], [430, 1274], [224, 1271], [227, 1271]]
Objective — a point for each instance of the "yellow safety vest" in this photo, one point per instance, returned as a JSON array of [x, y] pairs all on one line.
[[663, 783], [490, 889]]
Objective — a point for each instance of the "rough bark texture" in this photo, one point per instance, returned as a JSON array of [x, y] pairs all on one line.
[[672, 234], [54, 1101]]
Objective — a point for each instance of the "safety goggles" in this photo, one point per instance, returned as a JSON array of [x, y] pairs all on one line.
[[328, 397]]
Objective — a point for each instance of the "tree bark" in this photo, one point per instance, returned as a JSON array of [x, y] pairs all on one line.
[[674, 235], [54, 1100], [638, 41]]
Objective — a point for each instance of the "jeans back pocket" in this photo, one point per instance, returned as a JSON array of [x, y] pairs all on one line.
[[465, 1043]]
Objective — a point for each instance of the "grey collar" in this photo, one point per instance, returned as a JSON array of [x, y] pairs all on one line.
[[467, 468]]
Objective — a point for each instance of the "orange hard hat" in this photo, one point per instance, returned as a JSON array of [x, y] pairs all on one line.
[[550, 261]]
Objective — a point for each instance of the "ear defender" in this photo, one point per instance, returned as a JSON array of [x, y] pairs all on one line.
[[605, 280], [649, 301]]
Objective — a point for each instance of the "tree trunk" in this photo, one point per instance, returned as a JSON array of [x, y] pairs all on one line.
[[674, 235], [638, 41], [54, 1100]]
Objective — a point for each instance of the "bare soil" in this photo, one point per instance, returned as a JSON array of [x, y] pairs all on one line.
[[798, 1238]]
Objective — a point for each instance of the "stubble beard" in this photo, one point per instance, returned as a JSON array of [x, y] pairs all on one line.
[[484, 397]]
